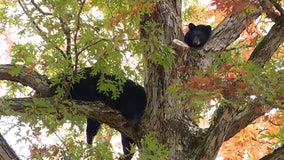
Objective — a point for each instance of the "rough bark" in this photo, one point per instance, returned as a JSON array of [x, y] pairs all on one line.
[[27, 78], [264, 50], [6, 152], [96, 110], [275, 155], [174, 126]]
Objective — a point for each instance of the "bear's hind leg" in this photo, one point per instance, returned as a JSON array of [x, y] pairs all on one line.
[[126, 145], [92, 129]]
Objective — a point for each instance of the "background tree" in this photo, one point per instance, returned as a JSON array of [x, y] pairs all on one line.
[[243, 77]]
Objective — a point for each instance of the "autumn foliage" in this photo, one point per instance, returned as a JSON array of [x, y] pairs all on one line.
[[230, 84], [250, 141]]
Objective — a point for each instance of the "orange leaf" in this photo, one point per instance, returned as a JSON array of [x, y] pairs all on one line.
[[31, 69]]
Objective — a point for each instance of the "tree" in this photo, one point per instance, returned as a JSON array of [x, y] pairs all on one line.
[[180, 81]]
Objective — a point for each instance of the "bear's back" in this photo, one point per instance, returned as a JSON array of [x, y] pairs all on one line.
[[131, 101]]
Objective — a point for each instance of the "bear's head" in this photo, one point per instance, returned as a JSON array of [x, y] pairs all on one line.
[[198, 35]]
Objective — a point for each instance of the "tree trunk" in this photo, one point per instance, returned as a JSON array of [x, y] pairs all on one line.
[[173, 126]]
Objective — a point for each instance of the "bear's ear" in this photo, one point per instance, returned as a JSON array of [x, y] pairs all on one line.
[[191, 26], [208, 28]]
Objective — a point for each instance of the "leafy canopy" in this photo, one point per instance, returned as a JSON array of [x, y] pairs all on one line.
[[59, 37]]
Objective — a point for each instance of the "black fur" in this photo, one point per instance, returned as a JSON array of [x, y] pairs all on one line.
[[131, 103], [198, 35]]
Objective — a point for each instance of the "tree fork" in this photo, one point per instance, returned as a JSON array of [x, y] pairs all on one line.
[[161, 115]]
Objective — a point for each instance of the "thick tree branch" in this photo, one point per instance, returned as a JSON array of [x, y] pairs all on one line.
[[270, 43], [228, 31], [95, 110], [245, 116], [241, 118], [227, 122], [6, 152], [32, 79], [275, 155], [222, 36]]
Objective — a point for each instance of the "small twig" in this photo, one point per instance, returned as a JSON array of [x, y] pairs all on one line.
[[61, 140], [67, 31], [38, 29], [39, 9], [77, 54], [275, 124], [87, 46]]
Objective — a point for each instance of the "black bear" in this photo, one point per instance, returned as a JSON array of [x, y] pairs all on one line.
[[131, 103], [198, 35]]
